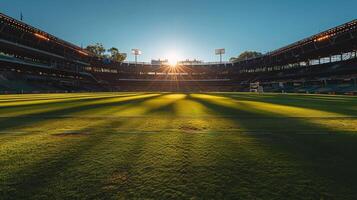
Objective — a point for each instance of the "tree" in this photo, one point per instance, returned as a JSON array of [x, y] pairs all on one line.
[[246, 55], [113, 51], [97, 49], [115, 55]]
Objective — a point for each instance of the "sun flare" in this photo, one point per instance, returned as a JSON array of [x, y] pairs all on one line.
[[173, 57]]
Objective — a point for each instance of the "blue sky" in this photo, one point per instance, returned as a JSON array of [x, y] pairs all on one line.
[[183, 28]]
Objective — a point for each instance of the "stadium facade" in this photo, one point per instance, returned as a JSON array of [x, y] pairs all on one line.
[[32, 60]]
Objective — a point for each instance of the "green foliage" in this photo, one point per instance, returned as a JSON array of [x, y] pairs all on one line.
[[177, 146], [246, 55], [99, 50], [116, 55]]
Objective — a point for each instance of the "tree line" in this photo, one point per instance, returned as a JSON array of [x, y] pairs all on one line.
[[114, 54], [99, 50], [246, 55]]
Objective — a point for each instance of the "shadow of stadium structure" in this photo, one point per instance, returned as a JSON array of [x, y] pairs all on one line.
[[49, 97], [277, 156], [67, 108], [342, 104], [4, 109], [323, 151], [40, 174]]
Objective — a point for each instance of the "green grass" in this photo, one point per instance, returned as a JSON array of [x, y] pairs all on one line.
[[178, 146]]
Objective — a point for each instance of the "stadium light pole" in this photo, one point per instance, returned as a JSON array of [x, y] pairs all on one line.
[[220, 52], [136, 53]]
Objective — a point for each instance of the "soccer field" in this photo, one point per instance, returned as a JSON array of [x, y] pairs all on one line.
[[178, 146]]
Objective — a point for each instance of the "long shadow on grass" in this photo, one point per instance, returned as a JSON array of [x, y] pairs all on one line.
[[331, 156], [34, 180], [41, 179], [65, 101], [141, 172], [43, 117], [187, 179], [303, 101], [49, 97]]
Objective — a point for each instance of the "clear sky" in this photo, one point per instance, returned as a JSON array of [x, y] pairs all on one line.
[[183, 28]]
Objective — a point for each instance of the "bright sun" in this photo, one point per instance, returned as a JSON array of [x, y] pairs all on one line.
[[173, 57]]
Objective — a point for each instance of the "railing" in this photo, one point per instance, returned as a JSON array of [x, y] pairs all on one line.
[[33, 30], [323, 35]]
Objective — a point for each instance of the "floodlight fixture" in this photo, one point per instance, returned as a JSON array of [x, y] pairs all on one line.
[[136, 53], [220, 52]]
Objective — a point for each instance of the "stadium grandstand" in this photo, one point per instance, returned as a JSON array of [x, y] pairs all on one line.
[[34, 61]]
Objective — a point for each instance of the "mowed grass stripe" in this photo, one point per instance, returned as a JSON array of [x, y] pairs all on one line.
[[181, 146]]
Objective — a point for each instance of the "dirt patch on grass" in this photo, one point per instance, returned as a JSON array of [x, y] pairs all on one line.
[[117, 179]]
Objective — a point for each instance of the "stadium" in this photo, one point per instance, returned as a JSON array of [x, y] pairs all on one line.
[[76, 125], [323, 63]]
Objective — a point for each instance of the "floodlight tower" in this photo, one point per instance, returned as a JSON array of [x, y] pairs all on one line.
[[136, 53], [220, 52]]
